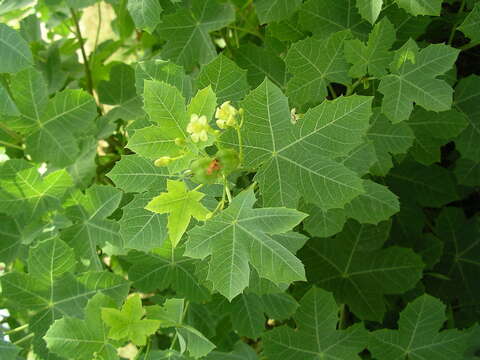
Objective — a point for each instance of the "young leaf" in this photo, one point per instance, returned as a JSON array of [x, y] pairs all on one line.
[[241, 235], [71, 337], [421, 7], [373, 57], [145, 13], [181, 205], [187, 31], [358, 272], [316, 336], [315, 63], [418, 335], [16, 54], [327, 131], [128, 323], [414, 79], [370, 9]]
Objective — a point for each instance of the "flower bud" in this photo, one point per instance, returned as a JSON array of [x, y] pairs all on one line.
[[163, 161]]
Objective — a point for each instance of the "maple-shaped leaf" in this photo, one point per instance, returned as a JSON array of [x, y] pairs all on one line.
[[28, 195], [388, 139], [134, 173], [358, 271], [227, 79], [467, 100], [50, 290], [187, 31], [171, 314], [324, 18], [418, 335], [277, 147], [181, 205], [71, 337], [434, 130], [142, 229], [53, 126], [314, 63], [161, 70], [241, 236], [373, 57], [275, 10], [128, 323], [414, 79], [317, 336], [166, 268], [91, 228]]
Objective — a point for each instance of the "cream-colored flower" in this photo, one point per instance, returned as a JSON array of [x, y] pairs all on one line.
[[198, 128], [226, 115]]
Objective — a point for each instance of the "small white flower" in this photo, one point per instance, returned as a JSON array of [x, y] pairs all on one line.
[[198, 128], [226, 115]]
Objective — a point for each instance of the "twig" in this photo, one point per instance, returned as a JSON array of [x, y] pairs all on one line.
[[6, 143], [88, 73]]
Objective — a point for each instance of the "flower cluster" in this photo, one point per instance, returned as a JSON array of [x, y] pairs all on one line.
[[198, 128], [226, 115]]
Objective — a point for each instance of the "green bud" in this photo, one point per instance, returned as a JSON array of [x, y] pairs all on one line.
[[163, 161]]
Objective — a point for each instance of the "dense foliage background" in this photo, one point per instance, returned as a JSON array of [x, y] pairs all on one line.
[[238, 179]]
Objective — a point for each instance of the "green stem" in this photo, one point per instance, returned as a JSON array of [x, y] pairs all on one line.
[[248, 31], [23, 339], [9, 132], [176, 333], [78, 34], [332, 91], [198, 187], [6, 143], [470, 45], [17, 329], [227, 190], [454, 28]]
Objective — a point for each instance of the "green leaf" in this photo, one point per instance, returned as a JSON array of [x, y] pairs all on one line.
[[181, 205], [134, 173], [128, 323], [203, 103], [165, 71], [418, 335], [142, 229], [275, 10], [316, 336], [324, 18], [24, 192], [467, 100], [7, 106], [120, 87], [315, 63], [241, 235], [370, 9], [227, 80], [413, 79], [10, 238], [323, 223], [431, 186], [8, 350], [470, 25], [171, 315], [71, 337], [467, 172], [421, 7], [91, 227], [388, 139], [145, 13], [327, 131], [164, 269], [373, 57], [51, 258], [187, 31], [358, 271], [261, 62], [434, 130], [241, 351], [377, 204], [16, 54]]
